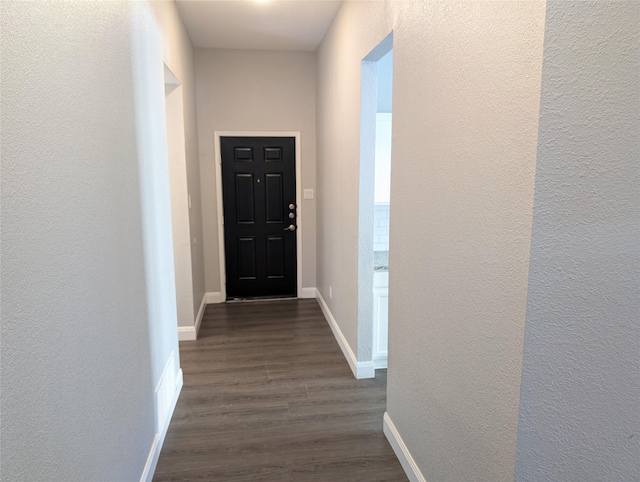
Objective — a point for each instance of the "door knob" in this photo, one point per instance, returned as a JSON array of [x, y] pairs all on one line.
[[291, 215], [291, 227], [292, 206]]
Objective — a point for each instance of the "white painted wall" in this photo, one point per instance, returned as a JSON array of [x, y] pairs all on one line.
[[88, 299], [465, 101], [466, 106], [385, 83], [179, 57], [148, 106], [255, 91], [580, 406]]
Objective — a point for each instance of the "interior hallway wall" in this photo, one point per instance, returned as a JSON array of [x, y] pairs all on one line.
[[179, 57], [356, 30], [580, 407], [88, 323], [255, 90], [465, 100]]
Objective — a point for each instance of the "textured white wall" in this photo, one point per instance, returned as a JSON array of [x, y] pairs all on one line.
[[246, 90], [465, 101], [179, 56], [466, 104], [88, 300], [151, 145], [385, 83], [580, 407]]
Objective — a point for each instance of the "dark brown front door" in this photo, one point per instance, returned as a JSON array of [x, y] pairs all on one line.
[[259, 195]]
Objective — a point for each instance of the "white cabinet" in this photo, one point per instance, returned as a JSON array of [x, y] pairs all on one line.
[[380, 317]]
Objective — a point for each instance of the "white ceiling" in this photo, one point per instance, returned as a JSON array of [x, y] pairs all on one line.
[[250, 24]]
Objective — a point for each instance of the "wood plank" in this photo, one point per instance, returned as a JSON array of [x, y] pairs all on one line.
[[268, 396]]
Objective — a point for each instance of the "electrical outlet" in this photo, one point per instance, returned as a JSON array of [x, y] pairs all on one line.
[[308, 193]]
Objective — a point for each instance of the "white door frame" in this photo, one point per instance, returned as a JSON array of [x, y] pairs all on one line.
[[218, 162]]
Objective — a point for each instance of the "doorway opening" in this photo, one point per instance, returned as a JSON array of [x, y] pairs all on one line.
[[259, 214], [374, 207], [180, 204]]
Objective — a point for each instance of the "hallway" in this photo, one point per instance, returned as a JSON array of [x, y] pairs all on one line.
[[268, 395]]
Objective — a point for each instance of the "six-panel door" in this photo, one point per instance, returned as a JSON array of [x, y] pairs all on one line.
[[259, 196]]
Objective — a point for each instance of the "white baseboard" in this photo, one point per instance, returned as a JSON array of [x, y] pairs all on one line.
[[307, 293], [380, 362], [365, 370], [167, 393], [203, 306], [214, 297], [187, 333], [402, 452], [359, 369], [190, 333]]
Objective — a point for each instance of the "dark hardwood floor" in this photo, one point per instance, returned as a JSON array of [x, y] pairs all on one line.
[[269, 396]]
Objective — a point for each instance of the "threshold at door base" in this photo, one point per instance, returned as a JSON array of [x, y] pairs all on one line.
[[259, 298]]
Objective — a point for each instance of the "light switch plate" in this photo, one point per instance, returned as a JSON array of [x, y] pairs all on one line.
[[308, 193]]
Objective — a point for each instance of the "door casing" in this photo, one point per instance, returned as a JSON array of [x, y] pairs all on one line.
[[299, 208]]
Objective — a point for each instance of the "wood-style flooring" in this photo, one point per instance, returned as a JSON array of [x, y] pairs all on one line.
[[268, 396]]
